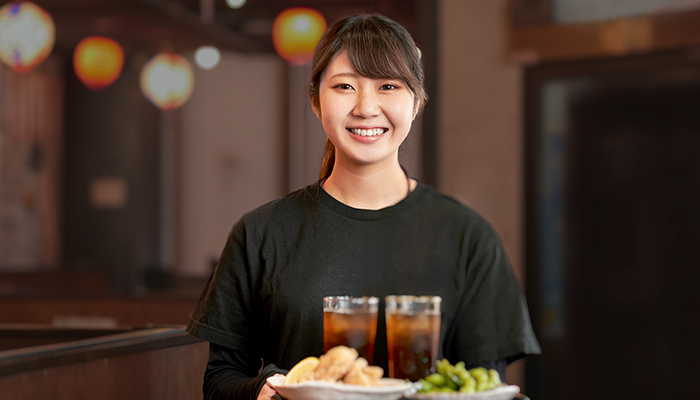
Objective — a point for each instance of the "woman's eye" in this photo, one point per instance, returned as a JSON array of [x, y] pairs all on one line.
[[343, 86], [389, 86]]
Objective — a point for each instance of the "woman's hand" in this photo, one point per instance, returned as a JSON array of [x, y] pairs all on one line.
[[267, 392]]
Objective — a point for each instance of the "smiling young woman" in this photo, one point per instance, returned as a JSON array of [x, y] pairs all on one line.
[[363, 229], [381, 59], [366, 120]]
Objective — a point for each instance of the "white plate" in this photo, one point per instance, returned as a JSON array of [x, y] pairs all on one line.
[[505, 392], [389, 389]]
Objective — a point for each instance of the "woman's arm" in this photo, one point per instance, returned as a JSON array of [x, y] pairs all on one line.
[[232, 374]]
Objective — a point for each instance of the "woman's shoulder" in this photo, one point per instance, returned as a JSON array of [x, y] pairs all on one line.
[[436, 201], [444, 207], [283, 209]]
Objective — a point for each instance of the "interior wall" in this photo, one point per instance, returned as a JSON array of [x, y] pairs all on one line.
[[307, 139], [232, 153], [31, 156], [480, 143], [111, 178]]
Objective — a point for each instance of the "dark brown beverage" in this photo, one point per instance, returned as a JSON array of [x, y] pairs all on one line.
[[413, 340], [356, 329]]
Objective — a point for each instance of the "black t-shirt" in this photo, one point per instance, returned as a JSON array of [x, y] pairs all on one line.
[[265, 296]]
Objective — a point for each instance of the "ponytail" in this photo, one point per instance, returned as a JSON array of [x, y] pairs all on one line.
[[328, 159]]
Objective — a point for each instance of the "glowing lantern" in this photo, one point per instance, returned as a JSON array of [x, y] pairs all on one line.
[[27, 35], [98, 61], [296, 32], [167, 81]]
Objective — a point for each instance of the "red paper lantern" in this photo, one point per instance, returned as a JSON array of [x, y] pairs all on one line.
[[296, 32], [27, 35], [167, 80], [98, 61]]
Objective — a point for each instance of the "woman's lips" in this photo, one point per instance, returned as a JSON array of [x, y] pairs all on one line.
[[367, 135], [367, 132]]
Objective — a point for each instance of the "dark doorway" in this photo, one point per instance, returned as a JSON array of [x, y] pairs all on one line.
[[613, 197]]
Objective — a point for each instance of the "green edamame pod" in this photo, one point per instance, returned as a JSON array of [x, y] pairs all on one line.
[[460, 367], [450, 373], [494, 379], [469, 386], [425, 386], [457, 380], [451, 384], [464, 376], [440, 366], [482, 383], [437, 379], [460, 370], [478, 371]]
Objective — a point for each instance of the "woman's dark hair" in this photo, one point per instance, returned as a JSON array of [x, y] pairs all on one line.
[[378, 48]]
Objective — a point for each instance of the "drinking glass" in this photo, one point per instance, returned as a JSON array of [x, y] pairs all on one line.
[[350, 321], [413, 335]]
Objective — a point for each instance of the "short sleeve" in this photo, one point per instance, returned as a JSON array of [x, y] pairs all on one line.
[[492, 320], [227, 314]]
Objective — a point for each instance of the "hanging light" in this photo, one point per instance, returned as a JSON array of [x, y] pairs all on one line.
[[207, 57], [98, 61], [27, 35], [167, 81], [235, 3], [296, 32]]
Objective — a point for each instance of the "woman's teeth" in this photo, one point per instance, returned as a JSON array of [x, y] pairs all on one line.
[[368, 132]]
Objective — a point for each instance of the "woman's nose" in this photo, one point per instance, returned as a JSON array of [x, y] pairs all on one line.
[[367, 105]]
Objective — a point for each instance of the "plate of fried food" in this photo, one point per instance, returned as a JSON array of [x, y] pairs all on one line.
[[339, 375]]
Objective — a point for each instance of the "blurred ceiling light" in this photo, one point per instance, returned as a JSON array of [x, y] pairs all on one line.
[[235, 3], [98, 61], [27, 35], [207, 57], [295, 33], [167, 81]]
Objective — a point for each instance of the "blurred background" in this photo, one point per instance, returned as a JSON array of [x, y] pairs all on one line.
[[571, 125]]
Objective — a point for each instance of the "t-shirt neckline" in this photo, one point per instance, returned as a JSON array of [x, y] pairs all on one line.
[[367, 215]]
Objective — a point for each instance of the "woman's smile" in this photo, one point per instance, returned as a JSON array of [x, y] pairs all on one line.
[[367, 132], [367, 136]]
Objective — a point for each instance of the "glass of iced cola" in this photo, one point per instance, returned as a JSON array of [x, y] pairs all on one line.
[[413, 335]]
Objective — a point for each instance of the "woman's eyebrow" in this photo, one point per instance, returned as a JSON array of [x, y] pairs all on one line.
[[345, 75]]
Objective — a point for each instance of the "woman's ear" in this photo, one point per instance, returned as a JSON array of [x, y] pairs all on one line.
[[416, 107], [317, 112]]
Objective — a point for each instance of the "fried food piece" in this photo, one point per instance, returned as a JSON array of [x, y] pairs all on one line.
[[374, 371], [333, 365], [358, 374]]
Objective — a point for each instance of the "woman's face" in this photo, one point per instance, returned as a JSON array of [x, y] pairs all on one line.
[[366, 119]]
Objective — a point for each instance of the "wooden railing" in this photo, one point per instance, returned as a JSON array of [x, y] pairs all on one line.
[[15, 336], [156, 363]]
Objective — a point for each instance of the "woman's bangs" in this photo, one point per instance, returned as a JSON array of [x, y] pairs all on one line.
[[377, 59]]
